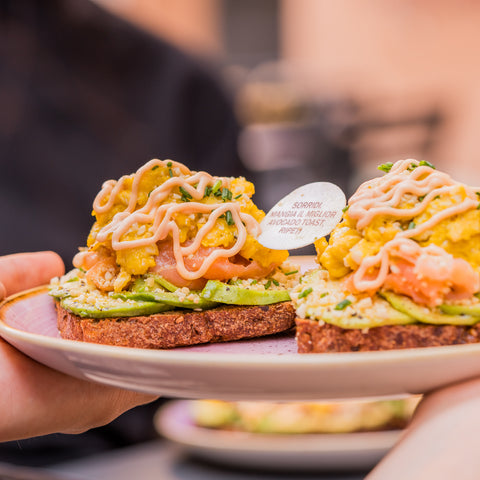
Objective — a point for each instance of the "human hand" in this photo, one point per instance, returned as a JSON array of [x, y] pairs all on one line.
[[36, 400], [21, 271], [442, 441]]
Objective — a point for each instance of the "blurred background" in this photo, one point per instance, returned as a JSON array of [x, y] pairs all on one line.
[[319, 83], [285, 92]]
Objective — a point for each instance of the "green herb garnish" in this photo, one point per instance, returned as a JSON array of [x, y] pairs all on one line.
[[305, 292], [324, 294], [293, 272], [186, 197], [343, 304], [216, 187], [226, 194], [238, 196], [345, 208], [229, 218], [424, 163], [411, 225], [385, 167], [267, 285]]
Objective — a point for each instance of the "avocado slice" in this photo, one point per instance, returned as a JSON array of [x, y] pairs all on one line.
[[425, 314], [378, 314], [113, 308], [165, 283], [221, 292], [141, 292], [367, 320], [473, 310]]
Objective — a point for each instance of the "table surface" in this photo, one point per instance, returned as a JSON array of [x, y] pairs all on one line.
[[164, 460]]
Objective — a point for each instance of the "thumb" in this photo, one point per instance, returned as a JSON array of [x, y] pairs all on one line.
[[21, 271]]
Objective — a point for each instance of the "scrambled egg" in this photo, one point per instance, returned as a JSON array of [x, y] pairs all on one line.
[[137, 261], [458, 235]]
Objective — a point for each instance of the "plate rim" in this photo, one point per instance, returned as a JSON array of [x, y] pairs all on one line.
[[249, 442], [183, 357]]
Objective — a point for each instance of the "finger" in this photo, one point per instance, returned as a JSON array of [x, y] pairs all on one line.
[[21, 271]]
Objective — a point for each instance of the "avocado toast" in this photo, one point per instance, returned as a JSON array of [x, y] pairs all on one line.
[[401, 270], [172, 260]]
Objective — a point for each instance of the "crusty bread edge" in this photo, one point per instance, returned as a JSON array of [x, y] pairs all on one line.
[[320, 337], [179, 328]]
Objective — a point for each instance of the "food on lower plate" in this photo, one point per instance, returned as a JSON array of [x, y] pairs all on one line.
[[172, 260], [304, 417], [401, 269]]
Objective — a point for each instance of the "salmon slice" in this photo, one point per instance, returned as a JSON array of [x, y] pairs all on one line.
[[222, 269]]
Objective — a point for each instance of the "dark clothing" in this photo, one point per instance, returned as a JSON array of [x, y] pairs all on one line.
[[85, 97]]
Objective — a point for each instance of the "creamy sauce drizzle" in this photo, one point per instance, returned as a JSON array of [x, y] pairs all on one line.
[[383, 195], [161, 216]]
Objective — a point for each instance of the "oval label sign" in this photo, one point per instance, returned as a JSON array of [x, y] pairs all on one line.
[[308, 213]]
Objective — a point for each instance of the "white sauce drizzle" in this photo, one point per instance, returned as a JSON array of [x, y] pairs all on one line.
[[160, 215], [383, 195]]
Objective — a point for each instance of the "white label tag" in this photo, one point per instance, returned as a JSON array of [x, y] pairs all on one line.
[[308, 213]]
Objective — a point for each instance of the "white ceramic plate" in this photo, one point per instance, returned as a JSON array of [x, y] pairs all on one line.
[[345, 451], [267, 368]]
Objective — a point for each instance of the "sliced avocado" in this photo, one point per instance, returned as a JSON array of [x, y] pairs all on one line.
[[367, 319], [473, 310], [379, 313], [140, 291], [221, 292], [164, 283], [113, 308], [425, 314]]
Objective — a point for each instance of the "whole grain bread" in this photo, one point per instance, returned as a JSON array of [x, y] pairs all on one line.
[[179, 328], [319, 337]]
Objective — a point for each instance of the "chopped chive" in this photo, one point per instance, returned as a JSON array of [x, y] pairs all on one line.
[[424, 163], [478, 206], [385, 167], [154, 168], [345, 208], [324, 294], [343, 304], [411, 225], [186, 197], [170, 172], [208, 191], [253, 282], [437, 197], [226, 194], [216, 186], [267, 285], [238, 196], [169, 164], [275, 282], [229, 218], [420, 199], [305, 292], [293, 272], [478, 194]]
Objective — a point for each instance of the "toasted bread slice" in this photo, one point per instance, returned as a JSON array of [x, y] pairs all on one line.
[[179, 328], [319, 337]]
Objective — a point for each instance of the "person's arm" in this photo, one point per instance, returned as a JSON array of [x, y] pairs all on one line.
[[34, 399], [443, 440]]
